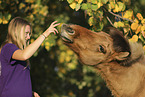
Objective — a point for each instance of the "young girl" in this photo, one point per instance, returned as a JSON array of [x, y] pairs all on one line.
[[15, 78]]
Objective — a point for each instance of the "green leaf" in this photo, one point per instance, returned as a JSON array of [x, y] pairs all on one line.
[[70, 1], [94, 1], [121, 6], [89, 5], [77, 7], [104, 1], [95, 7], [84, 6], [7, 16]]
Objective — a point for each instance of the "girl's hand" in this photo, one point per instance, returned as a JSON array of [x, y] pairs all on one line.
[[35, 94], [51, 29]]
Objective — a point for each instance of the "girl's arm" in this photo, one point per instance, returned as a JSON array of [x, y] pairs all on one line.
[[32, 48]]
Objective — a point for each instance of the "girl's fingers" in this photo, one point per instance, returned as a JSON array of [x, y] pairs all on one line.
[[55, 30], [53, 22]]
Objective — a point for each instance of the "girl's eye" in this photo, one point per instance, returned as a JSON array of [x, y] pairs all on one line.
[[101, 49], [28, 33]]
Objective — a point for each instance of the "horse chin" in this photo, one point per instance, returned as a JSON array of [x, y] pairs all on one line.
[[66, 40]]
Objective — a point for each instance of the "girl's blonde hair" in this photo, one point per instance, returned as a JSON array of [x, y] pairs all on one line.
[[14, 28]]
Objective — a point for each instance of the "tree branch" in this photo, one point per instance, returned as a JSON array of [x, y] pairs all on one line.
[[117, 15], [120, 16]]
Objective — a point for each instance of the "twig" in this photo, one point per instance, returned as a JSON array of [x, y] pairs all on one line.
[[110, 21], [120, 16], [117, 15]]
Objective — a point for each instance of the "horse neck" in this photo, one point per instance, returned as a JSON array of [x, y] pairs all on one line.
[[123, 81]]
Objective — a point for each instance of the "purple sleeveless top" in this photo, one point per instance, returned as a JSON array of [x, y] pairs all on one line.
[[15, 81]]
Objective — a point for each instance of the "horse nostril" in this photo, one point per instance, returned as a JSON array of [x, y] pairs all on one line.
[[70, 31]]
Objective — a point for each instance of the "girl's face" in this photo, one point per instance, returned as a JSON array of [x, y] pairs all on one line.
[[27, 32]]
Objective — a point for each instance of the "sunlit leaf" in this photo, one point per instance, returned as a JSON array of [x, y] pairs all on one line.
[[84, 6], [22, 5], [94, 7], [1, 20], [79, 1], [91, 20], [4, 20], [143, 21], [104, 1], [47, 45], [134, 38], [139, 16], [99, 4], [138, 29], [128, 14], [112, 5], [77, 7], [119, 24], [94, 1], [71, 66], [143, 28], [73, 5], [134, 26], [116, 8], [144, 48], [70, 1]]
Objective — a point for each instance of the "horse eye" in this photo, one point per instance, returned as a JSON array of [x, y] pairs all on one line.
[[101, 49]]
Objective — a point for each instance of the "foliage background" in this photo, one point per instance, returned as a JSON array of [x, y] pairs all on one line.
[[55, 70]]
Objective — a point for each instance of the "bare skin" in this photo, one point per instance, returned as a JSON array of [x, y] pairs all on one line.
[[32, 48]]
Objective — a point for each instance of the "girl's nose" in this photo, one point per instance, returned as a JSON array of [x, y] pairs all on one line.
[[27, 36]]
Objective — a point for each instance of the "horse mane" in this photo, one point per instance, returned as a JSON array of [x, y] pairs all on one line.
[[137, 53]]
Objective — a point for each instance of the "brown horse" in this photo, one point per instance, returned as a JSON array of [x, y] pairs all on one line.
[[120, 62]]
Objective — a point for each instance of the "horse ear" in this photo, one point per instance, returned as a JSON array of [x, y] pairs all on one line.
[[120, 44], [122, 56]]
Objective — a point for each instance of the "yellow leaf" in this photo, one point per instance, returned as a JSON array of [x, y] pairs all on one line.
[[79, 1], [139, 16], [91, 20], [116, 8], [42, 44], [136, 20], [144, 48], [1, 20], [119, 24], [142, 28], [22, 5], [99, 4], [68, 58], [138, 29], [5, 21], [112, 5], [134, 26], [47, 47], [69, 52], [143, 33], [143, 21], [70, 94], [47, 43], [128, 14], [134, 38], [71, 66], [73, 5]]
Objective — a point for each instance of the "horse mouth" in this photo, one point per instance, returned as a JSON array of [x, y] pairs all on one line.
[[65, 39], [66, 33]]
